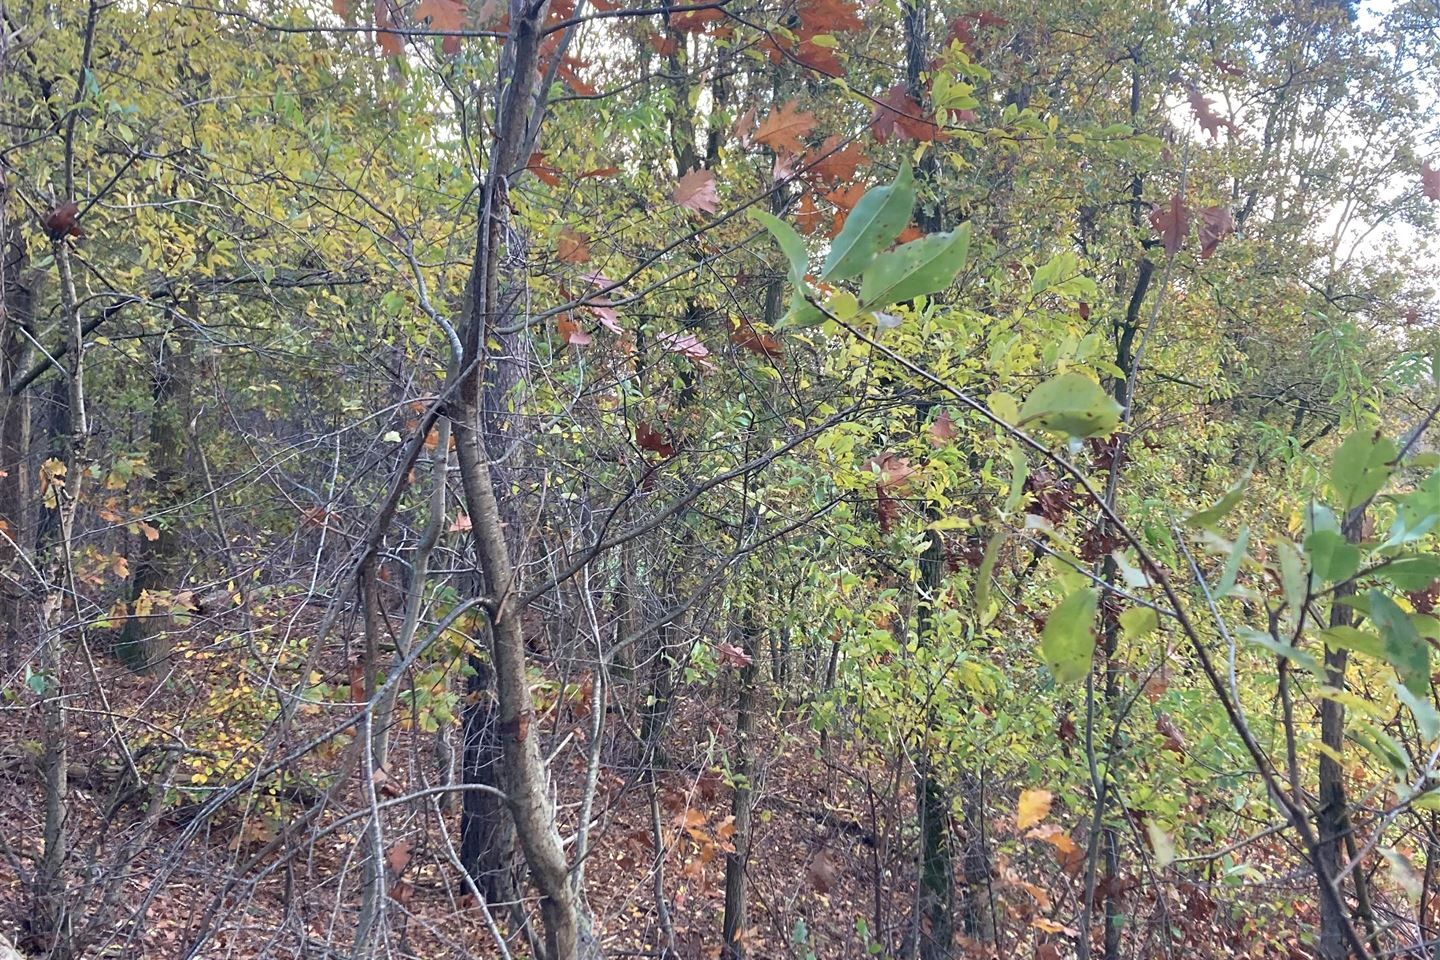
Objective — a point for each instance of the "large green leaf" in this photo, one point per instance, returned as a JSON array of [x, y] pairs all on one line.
[[915, 268], [790, 244], [1072, 404], [1332, 557], [873, 225], [1417, 514], [1361, 467], [1067, 643], [1403, 644], [1411, 573]]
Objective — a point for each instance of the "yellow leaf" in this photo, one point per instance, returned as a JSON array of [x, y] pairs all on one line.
[[1034, 807]]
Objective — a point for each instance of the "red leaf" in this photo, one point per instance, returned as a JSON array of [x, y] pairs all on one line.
[[446, 15], [1216, 223], [1172, 222], [664, 45], [391, 43], [1430, 181], [695, 21], [807, 215], [898, 115], [893, 470], [544, 172], [648, 438], [829, 16], [1209, 120], [696, 191]]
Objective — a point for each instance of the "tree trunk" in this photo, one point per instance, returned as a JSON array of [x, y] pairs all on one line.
[[17, 495], [737, 861], [145, 639]]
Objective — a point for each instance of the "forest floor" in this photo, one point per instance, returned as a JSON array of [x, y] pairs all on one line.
[[830, 875]]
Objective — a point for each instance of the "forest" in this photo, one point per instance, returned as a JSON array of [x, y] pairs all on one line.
[[719, 480]]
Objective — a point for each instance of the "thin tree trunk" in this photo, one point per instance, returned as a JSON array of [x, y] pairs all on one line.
[[145, 640], [737, 861]]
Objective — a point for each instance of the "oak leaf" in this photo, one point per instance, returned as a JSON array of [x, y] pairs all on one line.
[[571, 333], [572, 246], [696, 191], [837, 164], [1172, 222], [783, 128], [1216, 223], [1430, 181]]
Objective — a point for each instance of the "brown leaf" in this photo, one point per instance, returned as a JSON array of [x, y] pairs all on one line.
[[571, 333], [462, 523], [1430, 181], [664, 45], [399, 857], [572, 246], [61, 221], [783, 128], [696, 191], [822, 872], [1216, 223], [648, 438], [733, 656], [1172, 222], [893, 470], [543, 171], [943, 430]]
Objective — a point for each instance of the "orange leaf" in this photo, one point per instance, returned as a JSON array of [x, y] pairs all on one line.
[[746, 337], [572, 246], [391, 43], [783, 128], [837, 164], [571, 333], [444, 15]]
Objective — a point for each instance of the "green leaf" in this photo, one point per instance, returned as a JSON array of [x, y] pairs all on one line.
[[1426, 719], [1019, 470], [1139, 622], [984, 574], [1417, 514], [1385, 747], [1411, 573], [1282, 649], [1354, 639], [1072, 404], [1361, 467], [1332, 557], [790, 244], [1222, 507], [1232, 564], [1067, 643], [874, 223], [1403, 645], [916, 268]]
